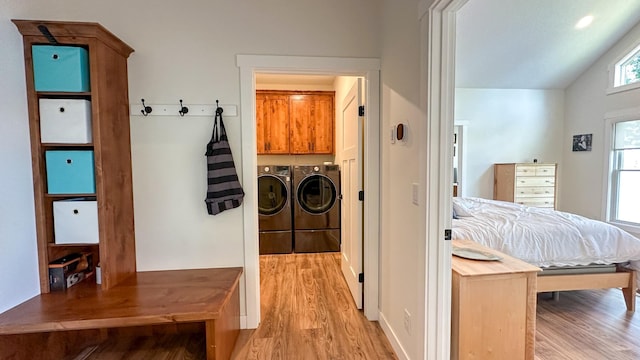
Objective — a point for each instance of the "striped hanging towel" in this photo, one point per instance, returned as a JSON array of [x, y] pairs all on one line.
[[224, 190]]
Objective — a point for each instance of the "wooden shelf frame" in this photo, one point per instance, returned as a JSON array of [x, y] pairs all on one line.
[[111, 145]]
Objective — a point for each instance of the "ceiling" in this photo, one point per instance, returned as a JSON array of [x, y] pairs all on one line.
[[533, 44]]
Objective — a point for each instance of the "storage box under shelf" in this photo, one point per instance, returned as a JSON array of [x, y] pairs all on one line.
[[70, 172], [65, 121], [75, 221], [60, 68]]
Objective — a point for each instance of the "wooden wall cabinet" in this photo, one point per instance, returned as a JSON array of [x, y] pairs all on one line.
[[295, 122], [493, 307], [108, 94], [272, 123], [529, 184]]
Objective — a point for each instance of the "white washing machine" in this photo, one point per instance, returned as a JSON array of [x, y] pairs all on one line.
[[316, 213], [274, 209]]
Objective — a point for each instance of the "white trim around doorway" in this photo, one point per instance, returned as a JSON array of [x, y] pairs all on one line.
[[438, 34], [369, 69]]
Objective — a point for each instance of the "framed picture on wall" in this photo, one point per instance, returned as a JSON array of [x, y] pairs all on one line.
[[582, 142]]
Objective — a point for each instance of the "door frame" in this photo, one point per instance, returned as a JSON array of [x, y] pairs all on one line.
[[368, 68], [438, 31]]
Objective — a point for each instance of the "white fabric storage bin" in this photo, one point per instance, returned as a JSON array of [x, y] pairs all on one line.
[[65, 121], [75, 222]]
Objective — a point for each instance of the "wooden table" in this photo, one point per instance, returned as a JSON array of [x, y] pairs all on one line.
[[59, 324], [493, 307]]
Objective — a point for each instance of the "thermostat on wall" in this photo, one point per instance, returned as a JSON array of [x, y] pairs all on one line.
[[401, 132]]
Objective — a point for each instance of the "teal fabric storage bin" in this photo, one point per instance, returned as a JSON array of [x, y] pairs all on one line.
[[60, 68], [70, 172]]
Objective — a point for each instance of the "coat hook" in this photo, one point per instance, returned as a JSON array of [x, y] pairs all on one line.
[[146, 110], [183, 109], [218, 108]]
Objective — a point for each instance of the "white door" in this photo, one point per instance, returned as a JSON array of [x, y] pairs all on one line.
[[351, 170]]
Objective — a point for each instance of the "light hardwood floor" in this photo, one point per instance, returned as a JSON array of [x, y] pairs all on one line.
[[587, 325], [307, 313]]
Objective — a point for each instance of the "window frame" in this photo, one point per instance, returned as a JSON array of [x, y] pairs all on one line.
[[614, 69], [609, 186]]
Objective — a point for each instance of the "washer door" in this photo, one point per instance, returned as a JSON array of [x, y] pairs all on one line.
[[316, 194], [272, 195]]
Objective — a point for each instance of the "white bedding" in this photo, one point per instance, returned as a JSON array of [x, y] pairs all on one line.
[[543, 237]]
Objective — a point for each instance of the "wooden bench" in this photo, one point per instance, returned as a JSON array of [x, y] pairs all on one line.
[[61, 324]]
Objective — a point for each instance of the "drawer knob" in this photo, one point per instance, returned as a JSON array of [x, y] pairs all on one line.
[[61, 109], [69, 161], [76, 212], [55, 56]]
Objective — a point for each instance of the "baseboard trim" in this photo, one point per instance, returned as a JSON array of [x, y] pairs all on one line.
[[393, 339]]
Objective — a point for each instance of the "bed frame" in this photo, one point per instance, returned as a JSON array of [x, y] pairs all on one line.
[[623, 278]]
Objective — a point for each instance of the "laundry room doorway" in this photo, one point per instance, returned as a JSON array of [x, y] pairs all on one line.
[[366, 69]]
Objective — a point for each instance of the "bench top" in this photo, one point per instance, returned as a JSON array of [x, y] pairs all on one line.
[[146, 298]]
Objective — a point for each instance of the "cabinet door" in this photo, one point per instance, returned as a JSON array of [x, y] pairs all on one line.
[[322, 116], [272, 124], [301, 124], [311, 124]]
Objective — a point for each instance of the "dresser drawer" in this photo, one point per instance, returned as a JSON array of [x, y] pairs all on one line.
[[535, 191], [544, 202], [535, 170], [545, 170], [527, 181]]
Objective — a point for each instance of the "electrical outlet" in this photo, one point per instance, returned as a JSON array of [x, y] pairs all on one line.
[[407, 321]]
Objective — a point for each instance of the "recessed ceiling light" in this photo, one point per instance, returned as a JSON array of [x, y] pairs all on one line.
[[584, 22]]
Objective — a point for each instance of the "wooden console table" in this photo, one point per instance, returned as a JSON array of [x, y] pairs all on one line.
[[60, 324], [493, 307]]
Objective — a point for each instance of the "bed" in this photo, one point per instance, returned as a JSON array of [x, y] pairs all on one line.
[[574, 252]]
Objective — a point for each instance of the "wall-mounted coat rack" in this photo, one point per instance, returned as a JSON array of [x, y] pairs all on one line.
[[178, 109]]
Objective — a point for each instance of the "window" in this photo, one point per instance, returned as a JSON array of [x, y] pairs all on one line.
[[628, 70], [625, 72], [625, 173]]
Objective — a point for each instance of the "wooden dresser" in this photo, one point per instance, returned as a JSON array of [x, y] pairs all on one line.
[[529, 184], [493, 307]]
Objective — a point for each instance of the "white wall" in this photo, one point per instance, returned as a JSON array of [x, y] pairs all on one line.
[[18, 258], [183, 51], [505, 126], [586, 106], [402, 249]]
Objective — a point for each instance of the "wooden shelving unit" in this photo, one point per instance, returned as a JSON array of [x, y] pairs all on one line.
[[110, 145]]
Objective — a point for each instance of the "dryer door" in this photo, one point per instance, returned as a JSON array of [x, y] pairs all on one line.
[[272, 195], [317, 194]]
